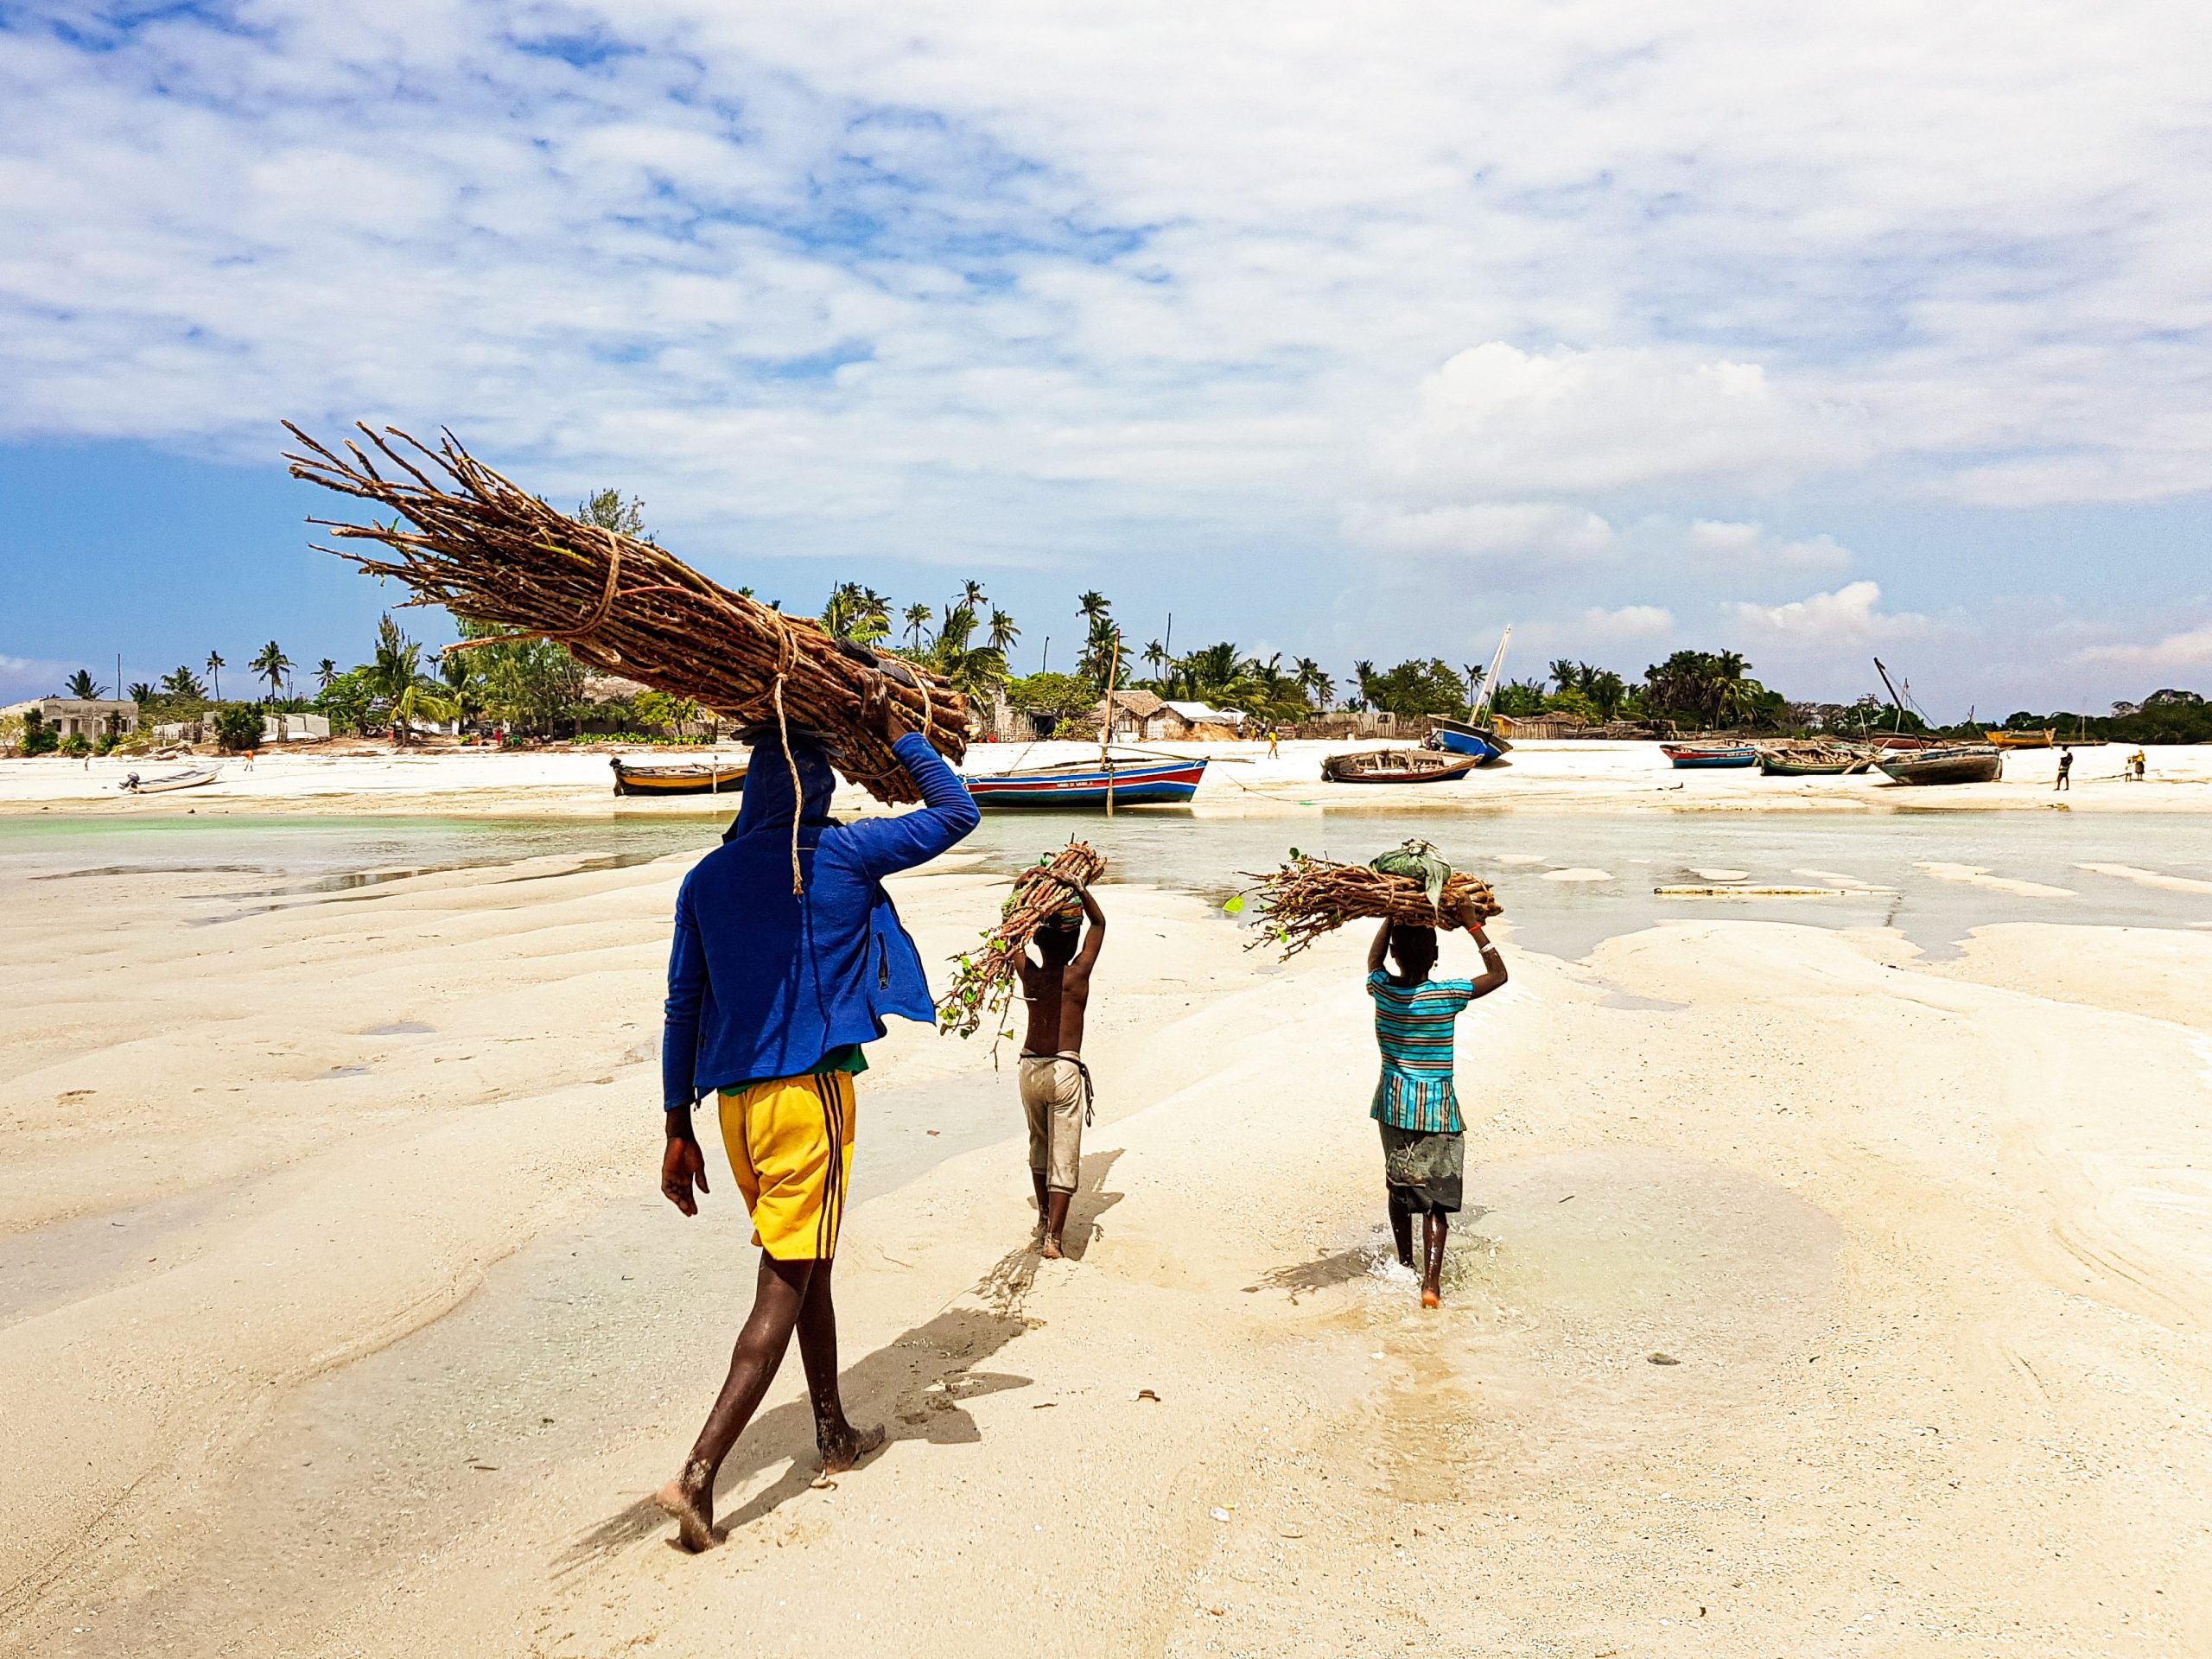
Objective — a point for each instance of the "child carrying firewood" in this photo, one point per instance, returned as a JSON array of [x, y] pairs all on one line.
[[1424, 1156], [1055, 1083]]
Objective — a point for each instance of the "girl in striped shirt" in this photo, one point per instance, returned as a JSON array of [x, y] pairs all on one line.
[[1424, 1156]]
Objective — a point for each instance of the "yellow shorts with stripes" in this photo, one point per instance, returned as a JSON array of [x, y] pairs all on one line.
[[790, 1141]]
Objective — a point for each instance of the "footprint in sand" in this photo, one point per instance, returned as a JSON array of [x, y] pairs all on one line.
[[1974, 875], [1578, 874]]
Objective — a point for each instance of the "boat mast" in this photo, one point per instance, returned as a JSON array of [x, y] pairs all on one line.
[[1896, 701], [1489, 680], [1106, 727]]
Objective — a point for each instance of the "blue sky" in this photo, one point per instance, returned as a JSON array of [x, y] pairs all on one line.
[[1348, 332]]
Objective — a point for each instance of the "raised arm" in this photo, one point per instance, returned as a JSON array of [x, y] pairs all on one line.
[[1375, 950], [1493, 973], [948, 812], [1093, 937]]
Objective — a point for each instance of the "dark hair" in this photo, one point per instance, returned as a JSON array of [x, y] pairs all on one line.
[[1412, 945]]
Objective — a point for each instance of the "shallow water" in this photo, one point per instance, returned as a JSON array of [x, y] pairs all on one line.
[[1883, 865]]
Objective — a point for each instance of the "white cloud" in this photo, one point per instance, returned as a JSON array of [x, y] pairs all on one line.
[[1538, 530], [1737, 548], [1496, 417], [2191, 648], [1629, 621], [1850, 615]]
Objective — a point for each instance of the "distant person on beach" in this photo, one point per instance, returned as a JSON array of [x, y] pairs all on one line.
[[2135, 764], [2065, 770], [1274, 743], [1055, 1083], [771, 995], [1424, 1147]]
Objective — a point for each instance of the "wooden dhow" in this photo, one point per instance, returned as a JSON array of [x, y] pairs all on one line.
[[1397, 766], [690, 777]]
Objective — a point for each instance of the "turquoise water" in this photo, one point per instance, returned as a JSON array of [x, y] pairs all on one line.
[[306, 859]]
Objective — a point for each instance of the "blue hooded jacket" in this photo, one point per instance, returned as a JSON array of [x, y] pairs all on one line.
[[763, 983]]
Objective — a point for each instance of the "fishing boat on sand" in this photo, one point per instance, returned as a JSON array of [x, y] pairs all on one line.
[[1812, 760], [1073, 784], [692, 778], [1465, 737], [2043, 738], [1396, 766], [1700, 755], [134, 784], [1955, 763]]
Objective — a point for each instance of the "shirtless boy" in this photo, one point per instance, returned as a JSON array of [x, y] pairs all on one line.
[[1055, 1084]]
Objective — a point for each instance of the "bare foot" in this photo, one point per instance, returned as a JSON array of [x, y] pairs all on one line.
[[841, 1452], [690, 1499], [1429, 1297], [1050, 1249]]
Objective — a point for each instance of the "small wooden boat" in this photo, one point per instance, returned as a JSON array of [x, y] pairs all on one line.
[[1081, 784], [2041, 739], [1397, 766], [1711, 754], [1898, 742], [1810, 760], [134, 784], [693, 777], [1955, 763]]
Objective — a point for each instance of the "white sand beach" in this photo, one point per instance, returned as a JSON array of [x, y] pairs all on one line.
[[361, 778], [1814, 1298]]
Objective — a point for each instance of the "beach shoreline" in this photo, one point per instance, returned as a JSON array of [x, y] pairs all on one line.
[[1591, 776]]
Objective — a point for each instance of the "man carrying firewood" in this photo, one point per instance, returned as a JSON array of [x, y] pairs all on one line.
[[1424, 1155], [771, 992], [1055, 1083]]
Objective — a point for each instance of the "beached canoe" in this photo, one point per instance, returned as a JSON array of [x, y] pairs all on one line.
[[1397, 766], [696, 778], [134, 784], [1810, 760], [1958, 763], [1711, 754], [1079, 785], [2043, 738]]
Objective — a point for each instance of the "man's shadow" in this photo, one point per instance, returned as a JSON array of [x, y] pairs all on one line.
[[916, 1383]]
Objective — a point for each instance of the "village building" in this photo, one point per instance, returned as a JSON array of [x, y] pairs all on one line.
[[86, 718], [1145, 717]]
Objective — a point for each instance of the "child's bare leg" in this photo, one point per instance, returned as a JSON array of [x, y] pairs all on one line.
[[1056, 1221], [1044, 1202], [1402, 1230], [1432, 1284]]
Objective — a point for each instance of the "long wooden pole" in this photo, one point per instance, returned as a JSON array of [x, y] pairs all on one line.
[[1106, 730]]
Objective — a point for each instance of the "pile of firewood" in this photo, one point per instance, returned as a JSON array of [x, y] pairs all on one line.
[[984, 986], [1309, 897], [468, 539]]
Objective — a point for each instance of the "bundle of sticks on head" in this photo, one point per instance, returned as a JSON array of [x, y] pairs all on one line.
[[469, 539], [1309, 897], [1049, 891]]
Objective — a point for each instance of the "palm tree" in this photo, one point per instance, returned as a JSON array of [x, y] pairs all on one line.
[[1314, 683], [1156, 658], [1093, 606], [140, 692], [1562, 673], [271, 665], [1003, 632], [182, 683], [1476, 674], [917, 618], [397, 678], [325, 675], [971, 595], [82, 686], [215, 667], [1363, 676]]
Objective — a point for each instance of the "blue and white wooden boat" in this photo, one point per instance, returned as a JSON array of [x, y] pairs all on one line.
[[1079, 785], [1711, 754], [1463, 737]]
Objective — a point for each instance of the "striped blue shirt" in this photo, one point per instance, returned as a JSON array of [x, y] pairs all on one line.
[[1413, 1027]]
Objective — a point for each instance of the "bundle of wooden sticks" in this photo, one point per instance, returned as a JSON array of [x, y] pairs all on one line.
[[1309, 897], [985, 983], [470, 540]]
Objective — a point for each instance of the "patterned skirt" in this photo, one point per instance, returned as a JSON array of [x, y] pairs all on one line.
[[1423, 1171]]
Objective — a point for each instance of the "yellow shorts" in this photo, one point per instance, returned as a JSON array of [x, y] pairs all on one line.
[[790, 1141]]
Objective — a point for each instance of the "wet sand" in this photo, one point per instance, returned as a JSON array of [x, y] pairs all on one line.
[[341, 1316]]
